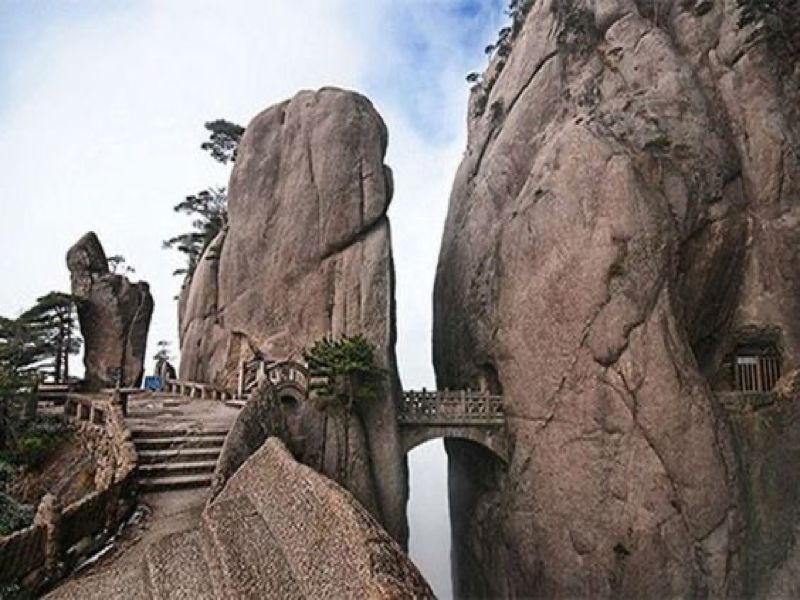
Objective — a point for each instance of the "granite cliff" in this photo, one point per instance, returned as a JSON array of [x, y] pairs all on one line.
[[307, 254], [624, 228]]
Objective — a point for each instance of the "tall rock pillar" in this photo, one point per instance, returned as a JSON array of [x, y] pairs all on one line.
[[114, 317], [307, 254]]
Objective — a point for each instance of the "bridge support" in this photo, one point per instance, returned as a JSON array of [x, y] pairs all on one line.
[[492, 438], [457, 414]]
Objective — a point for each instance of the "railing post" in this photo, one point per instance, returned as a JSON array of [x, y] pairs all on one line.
[[120, 399], [48, 515]]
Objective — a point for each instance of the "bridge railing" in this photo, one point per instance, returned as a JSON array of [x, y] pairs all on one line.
[[464, 407], [279, 373]]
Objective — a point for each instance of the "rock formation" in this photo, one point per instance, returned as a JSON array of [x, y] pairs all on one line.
[[307, 253], [114, 316], [277, 530], [626, 216], [260, 419]]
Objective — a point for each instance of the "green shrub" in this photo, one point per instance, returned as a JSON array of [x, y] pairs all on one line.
[[13, 515], [352, 357], [37, 440], [31, 451], [7, 470]]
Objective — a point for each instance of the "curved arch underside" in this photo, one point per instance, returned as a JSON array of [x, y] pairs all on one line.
[[491, 438]]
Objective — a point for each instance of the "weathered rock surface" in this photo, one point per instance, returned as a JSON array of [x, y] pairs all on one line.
[[260, 419], [277, 530], [626, 214], [767, 438], [307, 253], [114, 316]]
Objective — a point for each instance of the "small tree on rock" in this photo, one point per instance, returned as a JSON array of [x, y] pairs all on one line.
[[209, 207], [118, 264], [223, 140], [351, 380]]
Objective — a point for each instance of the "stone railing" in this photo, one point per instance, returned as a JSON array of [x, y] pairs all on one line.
[[61, 537], [456, 407], [192, 389], [288, 373]]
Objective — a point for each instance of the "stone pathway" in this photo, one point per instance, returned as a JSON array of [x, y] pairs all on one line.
[[279, 529], [178, 442]]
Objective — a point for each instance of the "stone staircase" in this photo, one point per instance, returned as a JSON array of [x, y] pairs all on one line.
[[173, 459], [278, 530]]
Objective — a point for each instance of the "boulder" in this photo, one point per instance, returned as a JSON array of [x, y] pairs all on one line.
[[114, 316], [326, 542], [260, 419], [625, 217], [307, 254], [278, 529]]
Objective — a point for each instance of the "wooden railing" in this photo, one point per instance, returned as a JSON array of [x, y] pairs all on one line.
[[450, 407]]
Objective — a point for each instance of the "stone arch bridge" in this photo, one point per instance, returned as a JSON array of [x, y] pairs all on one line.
[[463, 414], [422, 415]]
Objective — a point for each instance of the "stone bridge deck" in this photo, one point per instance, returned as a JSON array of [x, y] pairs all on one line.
[[472, 415]]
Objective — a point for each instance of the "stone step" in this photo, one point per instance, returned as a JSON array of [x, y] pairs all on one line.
[[171, 469], [171, 443], [178, 455], [179, 482], [140, 434], [237, 403]]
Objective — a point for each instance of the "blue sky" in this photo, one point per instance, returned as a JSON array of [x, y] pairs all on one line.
[[423, 38], [431, 38], [102, 104]]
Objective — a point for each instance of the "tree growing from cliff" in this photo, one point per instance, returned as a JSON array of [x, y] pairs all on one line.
[[118, 264], [209, 207], [349, 377], [223, 140]]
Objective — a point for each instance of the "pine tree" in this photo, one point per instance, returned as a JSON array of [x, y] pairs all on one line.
[[41, 339], [209, 207]]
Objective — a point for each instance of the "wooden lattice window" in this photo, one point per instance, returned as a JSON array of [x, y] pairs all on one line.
[[757, 368]]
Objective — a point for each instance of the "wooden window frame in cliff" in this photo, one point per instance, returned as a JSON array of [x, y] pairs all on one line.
[[756, 369]]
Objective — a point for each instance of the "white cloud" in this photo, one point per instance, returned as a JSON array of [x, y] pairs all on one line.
[[102, 122]]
